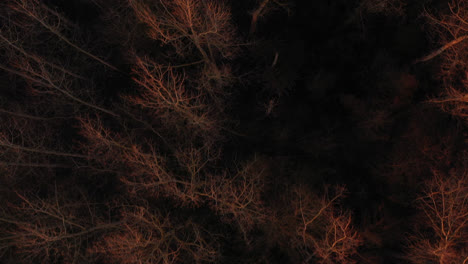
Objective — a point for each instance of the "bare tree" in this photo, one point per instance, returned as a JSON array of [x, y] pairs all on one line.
[[28, 149], [163, 144], [444, 208], [238, 198], [139, 165], [200, 28], [206, 26], [451, 30], [42, 230], [53, 73], [327, 233], [165, 95], [44, 80], [313, 228], [147, 236], [51, 22]]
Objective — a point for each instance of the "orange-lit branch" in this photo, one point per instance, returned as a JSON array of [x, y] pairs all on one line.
[[239, 196], [164, 93], [53, 23], [44, 230], [146, 236], [325, 233], [205, 25], [452, 33]]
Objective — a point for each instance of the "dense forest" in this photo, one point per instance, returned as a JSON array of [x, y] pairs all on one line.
[[234, 131]]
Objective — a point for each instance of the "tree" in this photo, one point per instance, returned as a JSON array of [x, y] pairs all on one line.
[[147, 236], [327, 233], [315, 229], [50, 21], [49, 230], [451, 30], [147, 178], [444, 221], [165, 95], [45, 76], [200, 28], [29, 151], [238, 197], [206, 26], [234, 195]]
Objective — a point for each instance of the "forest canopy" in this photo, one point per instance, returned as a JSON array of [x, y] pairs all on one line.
[[247, 131]]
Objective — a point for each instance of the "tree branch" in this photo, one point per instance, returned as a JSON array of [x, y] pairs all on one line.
[[441, 49]]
